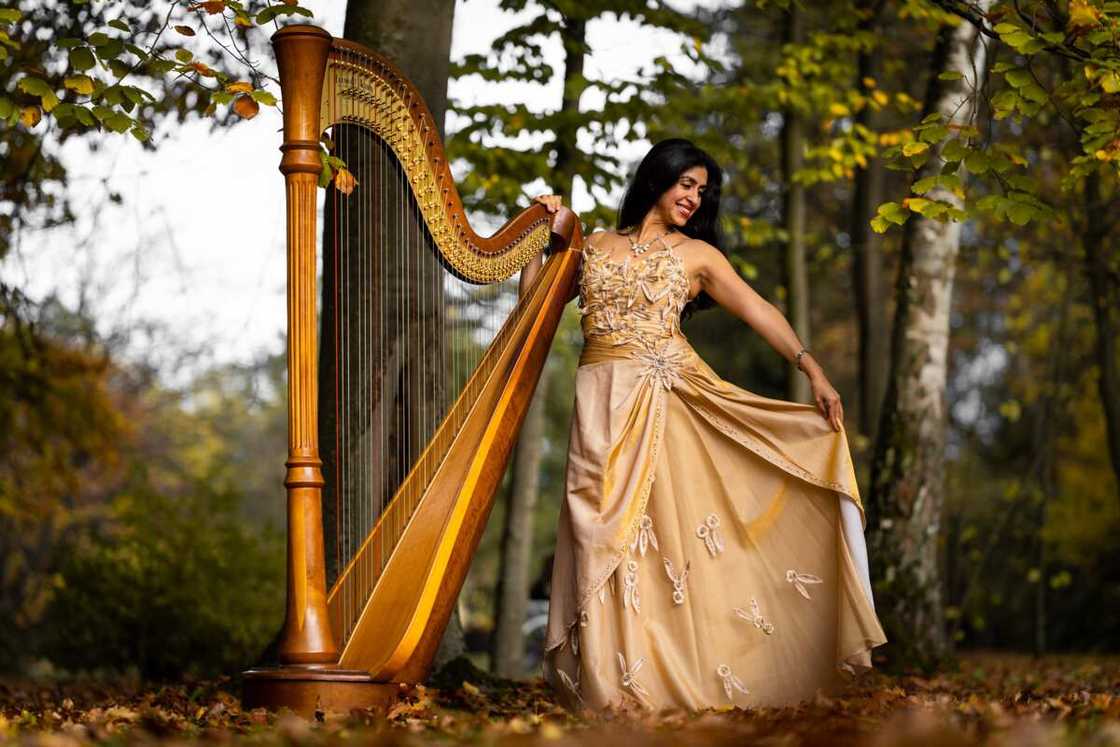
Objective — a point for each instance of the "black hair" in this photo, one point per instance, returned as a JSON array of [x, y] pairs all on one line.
[[659, 170]]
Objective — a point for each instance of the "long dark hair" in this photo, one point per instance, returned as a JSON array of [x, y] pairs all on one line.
[[660, 170]]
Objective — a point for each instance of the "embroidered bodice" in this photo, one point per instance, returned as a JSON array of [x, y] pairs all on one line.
[[635, 300]]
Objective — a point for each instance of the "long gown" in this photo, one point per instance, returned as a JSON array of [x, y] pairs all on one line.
[[710, 546]]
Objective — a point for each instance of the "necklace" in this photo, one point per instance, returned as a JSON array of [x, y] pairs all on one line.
[[641, 248]]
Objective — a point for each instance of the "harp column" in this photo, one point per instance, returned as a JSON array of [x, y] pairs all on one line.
[[309, 677], [307, 637]]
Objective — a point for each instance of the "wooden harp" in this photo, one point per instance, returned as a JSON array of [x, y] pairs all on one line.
[[417, 412]]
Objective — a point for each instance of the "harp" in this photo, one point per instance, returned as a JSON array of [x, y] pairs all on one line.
[[415, 396]]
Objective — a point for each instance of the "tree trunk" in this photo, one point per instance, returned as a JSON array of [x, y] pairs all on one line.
[[793, 214], [867, 257], [511, 598], [907, 477], [1105, 299], [512, 595], [416, 35]]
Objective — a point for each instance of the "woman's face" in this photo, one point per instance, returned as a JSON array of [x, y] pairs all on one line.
[[682, 199]]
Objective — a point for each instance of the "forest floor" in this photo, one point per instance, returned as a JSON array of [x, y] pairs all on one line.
[[994, 699]]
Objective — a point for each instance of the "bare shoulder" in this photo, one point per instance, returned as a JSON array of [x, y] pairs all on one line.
[[700, 256]]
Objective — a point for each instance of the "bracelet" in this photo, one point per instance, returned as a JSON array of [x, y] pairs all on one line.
[[797, 358]]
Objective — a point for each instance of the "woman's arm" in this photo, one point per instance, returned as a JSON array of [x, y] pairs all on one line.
[[719, 279]]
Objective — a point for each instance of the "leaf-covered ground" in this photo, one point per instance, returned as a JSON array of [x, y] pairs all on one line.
[[993, 699]]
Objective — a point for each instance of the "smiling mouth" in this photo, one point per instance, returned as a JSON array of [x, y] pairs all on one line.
[[684, 211]]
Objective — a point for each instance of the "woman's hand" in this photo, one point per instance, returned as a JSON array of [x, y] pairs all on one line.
[[828, 401], [552, 202]]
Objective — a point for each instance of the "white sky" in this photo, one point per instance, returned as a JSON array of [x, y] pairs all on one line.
[[198, 244]]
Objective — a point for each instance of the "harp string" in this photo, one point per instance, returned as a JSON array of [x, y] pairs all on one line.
[[407, 336]]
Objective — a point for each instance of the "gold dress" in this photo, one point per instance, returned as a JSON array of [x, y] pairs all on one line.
[[710, 546]]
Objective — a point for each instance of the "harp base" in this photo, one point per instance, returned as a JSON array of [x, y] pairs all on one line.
[[306, 690]]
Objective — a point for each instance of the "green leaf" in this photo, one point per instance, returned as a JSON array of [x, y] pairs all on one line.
[[1020, 213], [84, 116], [922, 186], [139, 133], [119, 23], [111, 49], [263, 97], [1019, 77], [68, 43], [183, 55], [1035, 93], [976, 162], [81, 59], [270, 13], [879, 224], [97, 38], [119, 69], [6, 107], [954, 150], [1006, 28], [42, 89], [221, 97], [934, 134], [118, 122], [10, 15], [950, 75]]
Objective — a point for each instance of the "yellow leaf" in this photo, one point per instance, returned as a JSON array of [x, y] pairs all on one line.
[[1082, 15], [468, 687], [30, 116], [83, 84], [246, 107], [239, 87], [344, 181], [913, 149], [880, 98], [838, 110], [869, 82]]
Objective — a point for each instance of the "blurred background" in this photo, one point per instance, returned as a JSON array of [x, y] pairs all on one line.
[[142, 348]]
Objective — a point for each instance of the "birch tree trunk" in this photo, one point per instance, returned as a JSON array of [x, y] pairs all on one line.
[[907, 478]]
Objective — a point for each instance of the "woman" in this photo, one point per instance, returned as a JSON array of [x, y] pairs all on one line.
[[710, 548]]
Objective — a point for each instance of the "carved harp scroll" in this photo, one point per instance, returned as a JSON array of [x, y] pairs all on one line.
[[398, 546]]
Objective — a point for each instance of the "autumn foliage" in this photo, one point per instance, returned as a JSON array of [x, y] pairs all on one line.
[[993, 699]]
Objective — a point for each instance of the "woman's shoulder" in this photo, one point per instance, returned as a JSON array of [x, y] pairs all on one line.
[[698, 248]]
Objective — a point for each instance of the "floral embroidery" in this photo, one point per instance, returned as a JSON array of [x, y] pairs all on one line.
[[573, 687], [731, 682], [662, 364], [678, 581], [629, 675], [645, 536], [630, 596], [755, 618], [709, 532], [609, 293], [799, 580]]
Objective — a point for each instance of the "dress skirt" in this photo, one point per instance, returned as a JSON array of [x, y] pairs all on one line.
[[710, 546]]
